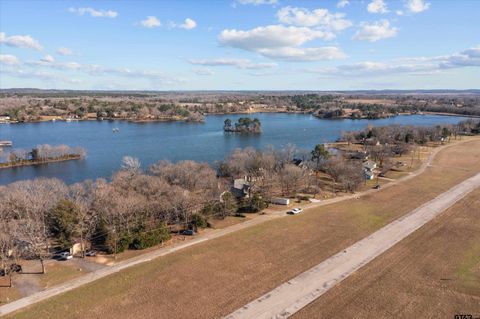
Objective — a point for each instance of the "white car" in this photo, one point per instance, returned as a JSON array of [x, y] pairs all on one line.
[[65, 256], [295, 211]]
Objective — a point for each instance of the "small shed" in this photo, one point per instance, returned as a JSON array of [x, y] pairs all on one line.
[[280, 201]]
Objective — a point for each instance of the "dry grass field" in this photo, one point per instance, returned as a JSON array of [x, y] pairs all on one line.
[[434, 273], [58, 273], [8, 294], [216, 277]]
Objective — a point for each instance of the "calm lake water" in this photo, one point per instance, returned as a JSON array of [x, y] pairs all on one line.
[[150, 142]]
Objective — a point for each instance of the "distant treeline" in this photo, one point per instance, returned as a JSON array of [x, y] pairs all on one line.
[[145, 106], [400, 134], [333, 105]]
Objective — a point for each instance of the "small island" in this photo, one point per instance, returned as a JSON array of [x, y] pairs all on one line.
[[41, 154], [243, 125]]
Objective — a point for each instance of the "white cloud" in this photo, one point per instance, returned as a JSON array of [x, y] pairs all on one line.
[[399, 13], [28, 74], [150, 22], [65, 51], [375, 31], [417, 65], [188, 24], [343, 3], [238, 63], [417, 6], [264, 73], [257, 2], [469, 57], [20, 41], [48, 62], [203, 71], [48, 59], [270, 37], [94, 13], [377, 6], [9, 59], [316, 18], [304, 54], [281, 42], [42, 75]]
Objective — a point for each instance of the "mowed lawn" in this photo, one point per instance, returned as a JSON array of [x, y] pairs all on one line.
[[212, 279], [434, 273]]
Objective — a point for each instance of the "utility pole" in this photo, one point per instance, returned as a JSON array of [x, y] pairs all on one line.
[[413, 156], [115, 243]]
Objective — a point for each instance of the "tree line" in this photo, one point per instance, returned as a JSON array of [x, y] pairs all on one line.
[[139, 208]]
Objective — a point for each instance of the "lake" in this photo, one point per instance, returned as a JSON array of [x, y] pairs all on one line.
[[150, 142]]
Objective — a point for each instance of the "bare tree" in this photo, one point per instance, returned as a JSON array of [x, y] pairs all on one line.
[[348, 173], [30, 203], [131, 164], [290, 178], [83, 196], [7, 243]]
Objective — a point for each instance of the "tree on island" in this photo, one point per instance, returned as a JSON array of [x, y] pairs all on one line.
[[243, 125]]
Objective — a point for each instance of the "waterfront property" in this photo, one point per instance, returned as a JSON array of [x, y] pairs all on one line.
[[174, 141]]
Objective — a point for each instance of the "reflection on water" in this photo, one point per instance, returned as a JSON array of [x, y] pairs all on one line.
[[174, 141]]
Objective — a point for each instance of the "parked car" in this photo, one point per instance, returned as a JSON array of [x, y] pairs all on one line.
[[90, 253], [295, 211], [13, 268], [187, 232], [60, 254], [65, 256], [16, 268]]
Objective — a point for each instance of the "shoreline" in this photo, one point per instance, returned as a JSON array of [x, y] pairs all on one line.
[[132, 120], [447, 114], [34, 163]]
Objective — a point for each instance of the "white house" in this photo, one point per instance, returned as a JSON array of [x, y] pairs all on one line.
[[369, 165], [368, 169]]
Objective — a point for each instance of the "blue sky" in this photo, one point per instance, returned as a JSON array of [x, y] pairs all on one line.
[[240, 44]]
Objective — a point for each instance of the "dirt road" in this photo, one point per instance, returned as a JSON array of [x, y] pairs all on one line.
[[295, 294]]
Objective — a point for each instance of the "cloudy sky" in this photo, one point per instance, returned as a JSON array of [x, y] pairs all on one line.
[[240, 44]]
